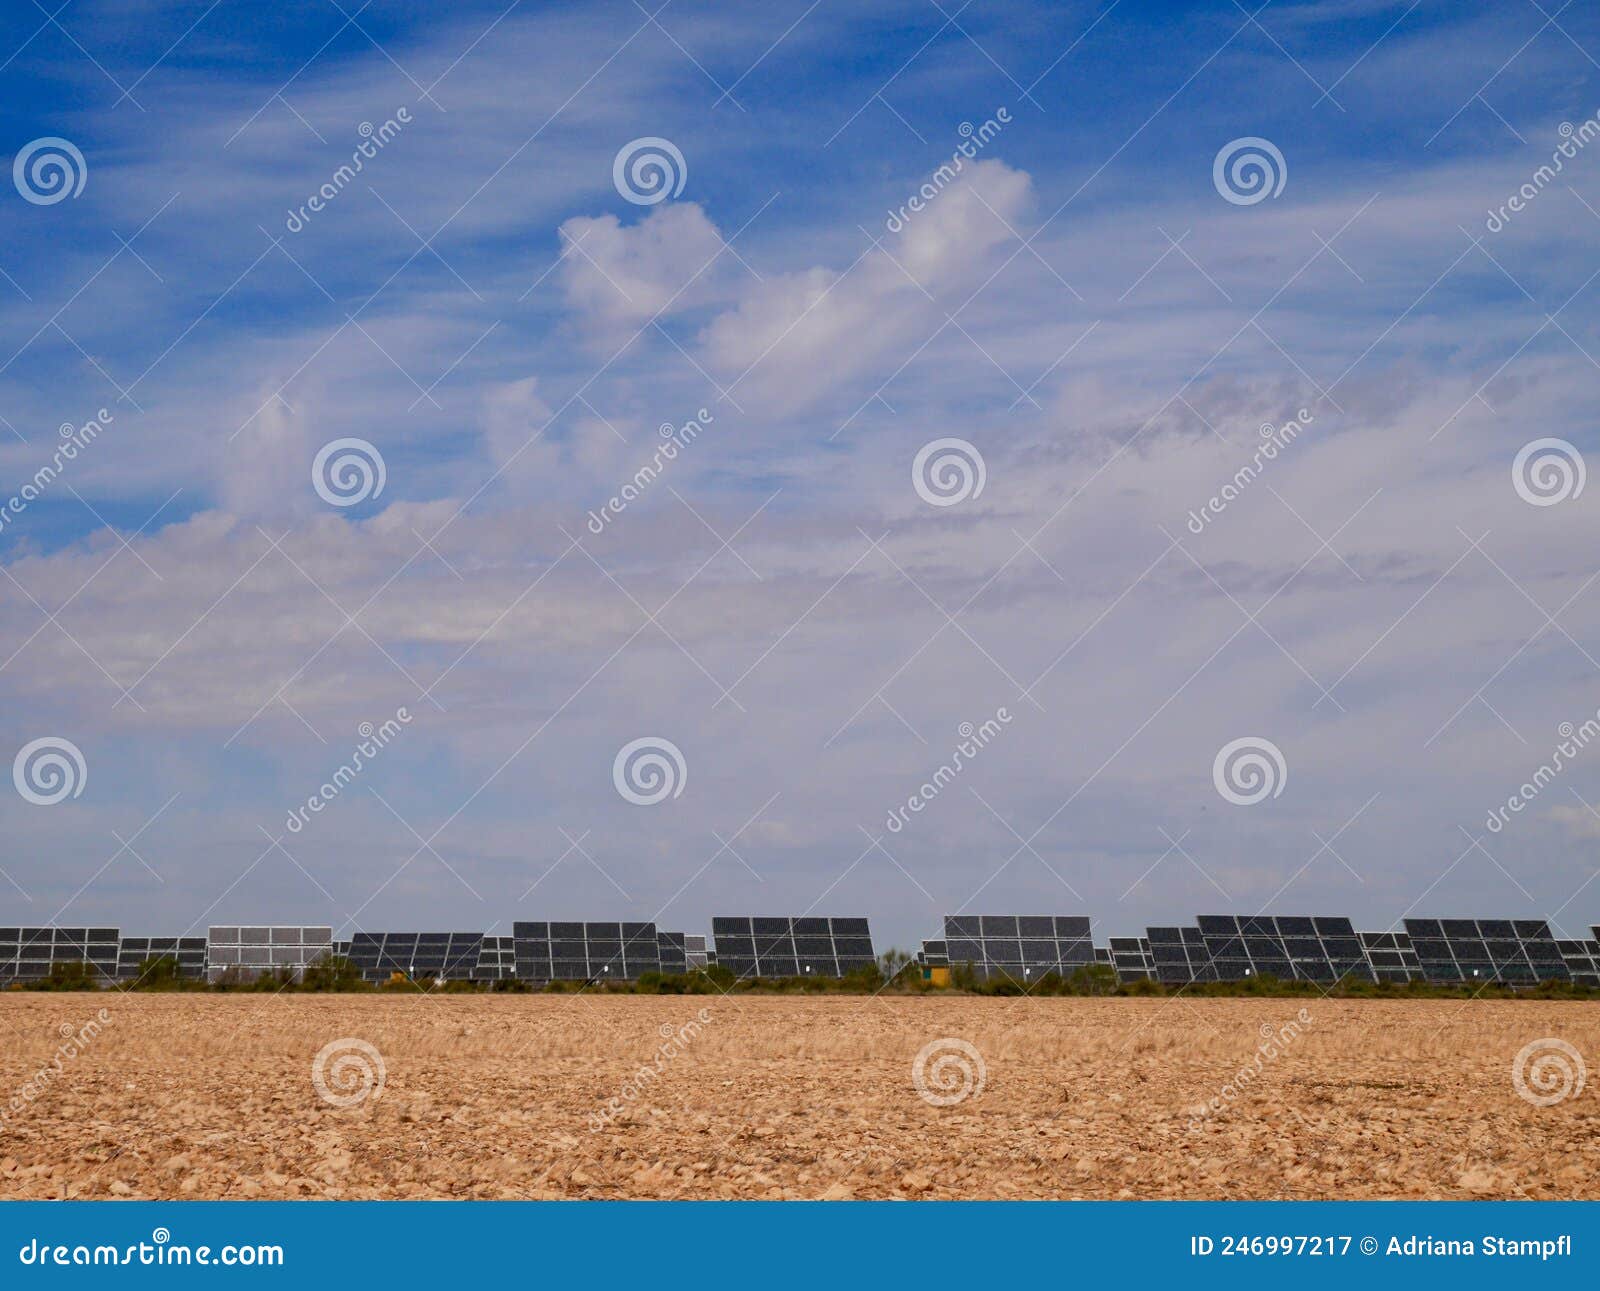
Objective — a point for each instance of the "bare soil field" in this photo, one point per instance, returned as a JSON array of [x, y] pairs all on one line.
[[207, 1096]]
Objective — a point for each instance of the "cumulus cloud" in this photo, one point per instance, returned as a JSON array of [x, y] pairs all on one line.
[[794, 338], [617, 276]]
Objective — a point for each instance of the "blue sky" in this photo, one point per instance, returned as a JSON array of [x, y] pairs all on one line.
[[1080, 303]]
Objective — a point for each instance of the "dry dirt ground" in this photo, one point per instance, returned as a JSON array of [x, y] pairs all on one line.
[[541, 1096]]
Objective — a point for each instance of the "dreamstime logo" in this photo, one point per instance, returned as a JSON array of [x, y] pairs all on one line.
[[348, 471], [947, 471], [1274, 439], [48, 770], [973, 141], [674, 439], [948, 1071], [1249, 170], [974, 739], [649, 770], [373, 140], [374, 739], [1553, 1069], [74, 1041], [1275, 1040], [649, 170], [1574, 739], [49, 170], [1249, 769], [74, 440], [346, 1072], [1572, 141], [675, 1040], [1547, 471]]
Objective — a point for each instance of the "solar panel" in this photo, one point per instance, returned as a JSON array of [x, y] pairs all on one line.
[[585, 952], [1130, 956], [1022, 947], [1582, 958], [421, 956], [244, 952], [934, 954], [782, 947], [1179, 956], [674, 957], [1508, 951], [681, 951], [1288, 947], [694, 949], [1391, 957], [497, 960], [28, 954], [188, 952]]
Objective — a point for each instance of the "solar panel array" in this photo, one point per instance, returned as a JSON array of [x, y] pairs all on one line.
[[421, 956], [1583, 958], [1324, 949], [188, 952], [1130, 956], [1179, 956], [247, 952], [1300, 947], [585, 952], [1486, 950], [674, 954], [497, 960], [799, 947], [1023, 947], [28, 954], [1391, 956]]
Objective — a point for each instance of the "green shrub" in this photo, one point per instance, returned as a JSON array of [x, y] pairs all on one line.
[[1093, 979], [333, 973], [67, 977]]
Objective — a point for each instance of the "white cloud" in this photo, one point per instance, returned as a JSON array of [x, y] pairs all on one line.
[[795, 338], [618, 276]]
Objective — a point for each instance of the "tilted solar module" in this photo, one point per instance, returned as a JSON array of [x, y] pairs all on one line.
[[1022, 947], [241, 953], [585, 952], [1582, 957], [674, 954], [1509, 951], [421, 956], [1130, 956], [1179, 956], [814, 946], [497, 960], [189, 953], [28, 954], [1289, 947], [1391, 957], [934, 954]]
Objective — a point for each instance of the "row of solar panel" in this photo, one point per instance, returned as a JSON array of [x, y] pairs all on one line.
[[1308, 948], [1441, 951], [1215, 948], [561, 951], [244, 952]]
